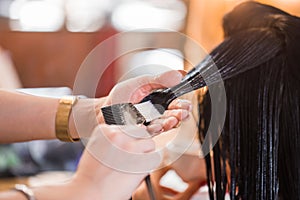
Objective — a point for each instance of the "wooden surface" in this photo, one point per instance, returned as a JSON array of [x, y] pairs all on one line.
[[8, 183]]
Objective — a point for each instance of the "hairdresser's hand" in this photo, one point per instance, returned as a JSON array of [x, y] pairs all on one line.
[[135, 89], [189, 168], [101, 181], [99, 174]]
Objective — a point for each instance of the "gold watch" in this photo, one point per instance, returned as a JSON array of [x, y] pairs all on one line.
[[62, 118]]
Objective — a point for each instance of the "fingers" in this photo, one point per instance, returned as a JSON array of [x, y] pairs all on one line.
[[168, 79], [146, 84], [171, 118], [179, 110], [181, 104], [165, 124], [135, 89], [155, 128], [179, 114], [168, 123], [149, 83]]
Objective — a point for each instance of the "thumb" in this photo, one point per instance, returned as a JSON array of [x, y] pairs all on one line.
[[135, 89], [167, 79], [164, 80]]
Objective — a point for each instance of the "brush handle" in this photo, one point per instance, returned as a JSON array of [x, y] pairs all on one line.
[[162, 98]]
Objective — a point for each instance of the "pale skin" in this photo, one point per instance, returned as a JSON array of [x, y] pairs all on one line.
[[24, 118]]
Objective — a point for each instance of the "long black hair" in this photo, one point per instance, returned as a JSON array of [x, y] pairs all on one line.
[[258, 154]]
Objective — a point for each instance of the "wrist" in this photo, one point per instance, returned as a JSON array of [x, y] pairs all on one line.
[[26, 191], [85, 116], [12, 195], [79, 117]]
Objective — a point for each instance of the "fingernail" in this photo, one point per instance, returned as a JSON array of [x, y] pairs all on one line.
[[190, 107], [155, 128], [184, 114]]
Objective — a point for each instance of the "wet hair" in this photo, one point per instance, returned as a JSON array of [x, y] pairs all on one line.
[[260, 140]]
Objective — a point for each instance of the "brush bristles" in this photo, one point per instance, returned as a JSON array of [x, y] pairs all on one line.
[[122, 114]]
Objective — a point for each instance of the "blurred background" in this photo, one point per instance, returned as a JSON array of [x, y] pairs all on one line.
[[44, 42]]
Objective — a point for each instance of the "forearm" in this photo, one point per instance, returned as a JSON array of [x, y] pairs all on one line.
[[26, 117], [86, 115], [12, 195], [70, 190], [49, 192]]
